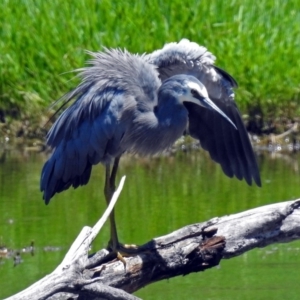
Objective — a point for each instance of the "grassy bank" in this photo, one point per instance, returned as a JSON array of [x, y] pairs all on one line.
[[257, 42]]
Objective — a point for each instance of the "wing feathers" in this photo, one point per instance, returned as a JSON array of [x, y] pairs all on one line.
[[227, 146]]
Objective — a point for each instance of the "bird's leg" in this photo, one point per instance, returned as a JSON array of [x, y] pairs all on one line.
[[109, 189]]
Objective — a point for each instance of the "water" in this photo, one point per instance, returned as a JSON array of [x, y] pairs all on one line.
[[160, 195]]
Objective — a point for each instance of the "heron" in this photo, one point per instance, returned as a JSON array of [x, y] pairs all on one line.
[[142, 104]]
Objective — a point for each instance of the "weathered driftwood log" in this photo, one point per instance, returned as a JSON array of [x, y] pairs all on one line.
[[192, 248]]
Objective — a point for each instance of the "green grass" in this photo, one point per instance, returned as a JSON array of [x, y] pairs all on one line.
[[257, 42]]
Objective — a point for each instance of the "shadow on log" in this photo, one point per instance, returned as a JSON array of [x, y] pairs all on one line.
[[190, 249]]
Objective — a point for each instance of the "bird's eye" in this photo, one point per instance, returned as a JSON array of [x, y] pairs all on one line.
[[194, 92]]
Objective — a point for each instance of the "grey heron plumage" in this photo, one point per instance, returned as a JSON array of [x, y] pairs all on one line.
[[143, 104]]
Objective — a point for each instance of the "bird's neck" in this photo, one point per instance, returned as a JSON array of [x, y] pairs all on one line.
[[170, 110], [156, 131], [171, 115]]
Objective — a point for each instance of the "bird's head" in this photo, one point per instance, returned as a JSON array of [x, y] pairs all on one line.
[[190, 89]]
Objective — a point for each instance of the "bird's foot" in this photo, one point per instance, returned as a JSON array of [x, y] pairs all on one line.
[[124, 250]]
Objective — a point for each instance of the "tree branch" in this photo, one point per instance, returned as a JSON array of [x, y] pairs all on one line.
[[192, 248]]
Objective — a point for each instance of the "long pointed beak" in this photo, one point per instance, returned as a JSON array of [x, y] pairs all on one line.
[[207, 103]]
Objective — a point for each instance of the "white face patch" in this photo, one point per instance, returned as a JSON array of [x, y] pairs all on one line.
[[205, 102], [188, 97], [200, 88]]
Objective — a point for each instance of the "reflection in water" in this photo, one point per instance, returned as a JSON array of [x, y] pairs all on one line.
[[160, 195]]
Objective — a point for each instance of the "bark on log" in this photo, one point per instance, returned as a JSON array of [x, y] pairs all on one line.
[[192, 248]]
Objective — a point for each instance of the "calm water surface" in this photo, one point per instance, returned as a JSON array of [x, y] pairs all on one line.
[[160, 195]]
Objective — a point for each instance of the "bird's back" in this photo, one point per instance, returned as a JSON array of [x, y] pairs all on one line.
[[113, 88]]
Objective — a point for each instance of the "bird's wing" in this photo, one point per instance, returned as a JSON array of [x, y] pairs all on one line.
[[90, 130], [227, 146]]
